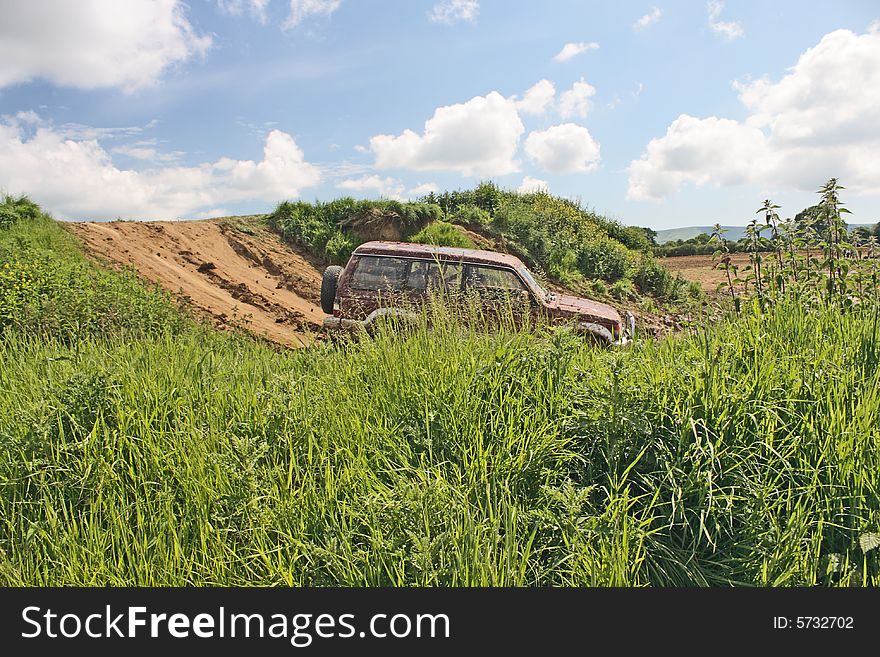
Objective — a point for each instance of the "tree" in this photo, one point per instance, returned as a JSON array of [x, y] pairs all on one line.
[[652, 234], [812, 218], [862, 233]]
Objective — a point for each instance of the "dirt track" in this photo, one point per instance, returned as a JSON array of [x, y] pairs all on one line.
[[236, 272]]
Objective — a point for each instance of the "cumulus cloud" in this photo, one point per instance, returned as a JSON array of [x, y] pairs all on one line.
[[564, 148], [696, 150], [383, 187], [257, 8], [475, 138], [576, 101], [726, 30], [303, 9], [146, 150], [648, 19], [818, 121], [78, 179], [570, 50], [95, 43], [538, 99], [530, 185], [454, 11]]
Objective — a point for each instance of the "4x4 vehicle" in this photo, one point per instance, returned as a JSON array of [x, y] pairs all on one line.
[[390, 279]]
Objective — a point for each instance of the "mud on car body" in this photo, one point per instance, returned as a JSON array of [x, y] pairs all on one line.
[[385, 279]]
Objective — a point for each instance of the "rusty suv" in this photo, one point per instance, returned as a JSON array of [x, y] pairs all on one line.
[[389, 279]]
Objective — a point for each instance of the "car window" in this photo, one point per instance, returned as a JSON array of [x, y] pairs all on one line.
[[490, 278], [525, 273], [379, 273], [430, 274]]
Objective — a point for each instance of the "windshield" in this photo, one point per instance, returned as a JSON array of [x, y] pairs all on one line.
[[532, 283]]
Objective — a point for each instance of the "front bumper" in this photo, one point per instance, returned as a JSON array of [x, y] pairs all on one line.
[[629, 333]]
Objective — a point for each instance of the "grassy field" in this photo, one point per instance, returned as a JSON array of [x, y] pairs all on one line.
[[164, 453]]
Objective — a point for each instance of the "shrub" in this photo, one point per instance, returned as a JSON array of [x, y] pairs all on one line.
[[470, 215], [441, 233], [653, 278], [622, 290], [604, 258], [322, 228], [8, 216], [339, 248]]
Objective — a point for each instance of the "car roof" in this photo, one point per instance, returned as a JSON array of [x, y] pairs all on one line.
[[409, 250]]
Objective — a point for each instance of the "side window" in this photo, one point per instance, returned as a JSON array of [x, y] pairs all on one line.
[[379, 274], [431, 275], [491, 279]]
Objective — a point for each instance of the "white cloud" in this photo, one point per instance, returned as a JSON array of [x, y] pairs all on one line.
[[302, 9], [638, 90], [257, 8], [648, 19], [454, 11], [570, 50], [476, 138], [78, 179], [530, 185], [538, 99], [95, 43], [564, 148], [700, 151], [819, 121], [576, 101], [422, 189], [727, 30], [384, 187], [146, 150]]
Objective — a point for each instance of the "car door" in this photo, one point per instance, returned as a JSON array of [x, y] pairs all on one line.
[[499, 291]]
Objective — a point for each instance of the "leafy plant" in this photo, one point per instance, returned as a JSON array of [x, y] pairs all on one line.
[[441, 233]]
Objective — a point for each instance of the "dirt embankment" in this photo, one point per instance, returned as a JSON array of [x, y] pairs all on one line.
[[236, 272]]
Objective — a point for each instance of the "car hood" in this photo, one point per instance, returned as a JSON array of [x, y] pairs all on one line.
[[585, 308]]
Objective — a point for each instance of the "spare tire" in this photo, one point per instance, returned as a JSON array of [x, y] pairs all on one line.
[[328, 288]]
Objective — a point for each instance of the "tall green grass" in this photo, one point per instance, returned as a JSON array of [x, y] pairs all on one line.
[[49, 289], [742, 455]]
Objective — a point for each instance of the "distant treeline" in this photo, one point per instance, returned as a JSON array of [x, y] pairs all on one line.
[[809, 221]]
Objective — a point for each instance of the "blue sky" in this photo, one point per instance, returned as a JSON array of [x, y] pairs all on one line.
[[659, 114]]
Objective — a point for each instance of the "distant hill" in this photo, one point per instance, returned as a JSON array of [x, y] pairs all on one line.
[[733, 233]]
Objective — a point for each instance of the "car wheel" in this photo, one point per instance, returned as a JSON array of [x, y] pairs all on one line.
[[328, 288]]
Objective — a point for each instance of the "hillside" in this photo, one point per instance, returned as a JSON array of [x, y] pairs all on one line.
[[234, 272], [565, 244], [733, 233]]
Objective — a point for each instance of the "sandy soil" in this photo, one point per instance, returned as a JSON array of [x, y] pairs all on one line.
[[237, 273]]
